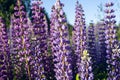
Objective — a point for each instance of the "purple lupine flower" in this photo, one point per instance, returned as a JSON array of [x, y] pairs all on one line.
[[101, 47], [4, 52], [101, 40], [60, 43], [91, 43], [21, 53], [86, 67], [40, 29], [79, 35], [111, 41], [116, 61], [53, 35]]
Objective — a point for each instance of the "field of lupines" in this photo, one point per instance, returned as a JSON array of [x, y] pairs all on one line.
[[34, 48]]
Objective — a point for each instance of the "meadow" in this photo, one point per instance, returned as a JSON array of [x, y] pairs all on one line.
[[38, 46]]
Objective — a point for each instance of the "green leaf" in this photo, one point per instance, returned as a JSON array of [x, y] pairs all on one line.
[[77, 77]]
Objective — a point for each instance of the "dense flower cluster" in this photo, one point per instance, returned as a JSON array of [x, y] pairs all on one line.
[[116, 61], [86, 67], [60, 43], [21, 53], [101, 49], [111, 43], [40, 35], [101, 38], [4, 52], [79, 40], [79, 34], [91, 43]]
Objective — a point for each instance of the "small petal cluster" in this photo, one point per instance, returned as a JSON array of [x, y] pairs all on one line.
[[86, 67], [60, 43], [4, 53], [40, 29], [111, 41], [79, 34], [116, 62], [20, 41]]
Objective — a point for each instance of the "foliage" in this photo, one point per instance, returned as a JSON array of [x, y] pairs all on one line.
[[118, 32], [7, 8], [77, 77]]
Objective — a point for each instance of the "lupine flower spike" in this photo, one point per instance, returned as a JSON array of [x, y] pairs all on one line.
[[21, 45], [91, 43], [101, 40], [101, 63], [79, 35], [60, 43], [40, 29], [4, 52], [111, 41]]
